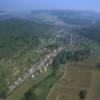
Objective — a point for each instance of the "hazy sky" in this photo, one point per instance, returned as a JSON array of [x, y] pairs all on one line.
[[90, 5]]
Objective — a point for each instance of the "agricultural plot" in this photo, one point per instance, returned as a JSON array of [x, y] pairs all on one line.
[[94, 92], [77, 78], [67, 97], [69, 87], [60, 92]]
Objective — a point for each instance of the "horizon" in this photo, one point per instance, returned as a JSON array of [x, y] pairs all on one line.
[[19, 5], [29, 10]]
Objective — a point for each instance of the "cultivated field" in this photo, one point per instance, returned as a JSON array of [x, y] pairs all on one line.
[[77, 77], [94, 92]]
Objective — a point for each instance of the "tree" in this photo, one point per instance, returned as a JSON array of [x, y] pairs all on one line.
[[83, 94], [98, 65], [29, 96]]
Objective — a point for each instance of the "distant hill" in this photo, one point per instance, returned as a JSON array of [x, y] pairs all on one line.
[[20, 26], [92, 32], [17, 32], [77, 17], [66, 16]]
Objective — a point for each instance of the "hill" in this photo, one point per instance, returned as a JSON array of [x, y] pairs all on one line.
[[21, 45], [92, 32]]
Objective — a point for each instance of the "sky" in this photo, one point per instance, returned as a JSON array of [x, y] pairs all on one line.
[[14, 5]]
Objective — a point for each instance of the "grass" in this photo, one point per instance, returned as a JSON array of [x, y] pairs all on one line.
[[42, 90]]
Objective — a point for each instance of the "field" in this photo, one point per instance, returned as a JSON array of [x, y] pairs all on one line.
[[78, 76], [94, 93]]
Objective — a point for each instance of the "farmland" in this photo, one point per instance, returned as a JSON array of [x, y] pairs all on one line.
[[77, 77]]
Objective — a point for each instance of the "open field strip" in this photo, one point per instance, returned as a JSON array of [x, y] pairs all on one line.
[[73, 87], [94, 92], [67, 97], [76, 79], [53, 88]]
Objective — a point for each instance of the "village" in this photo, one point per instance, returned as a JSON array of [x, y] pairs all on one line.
[[41, 67]]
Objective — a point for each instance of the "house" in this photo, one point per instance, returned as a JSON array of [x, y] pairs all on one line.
[[11, 88], [33, 76], [45, 69]]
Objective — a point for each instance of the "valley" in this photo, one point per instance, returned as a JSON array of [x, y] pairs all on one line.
[[50, 55]]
